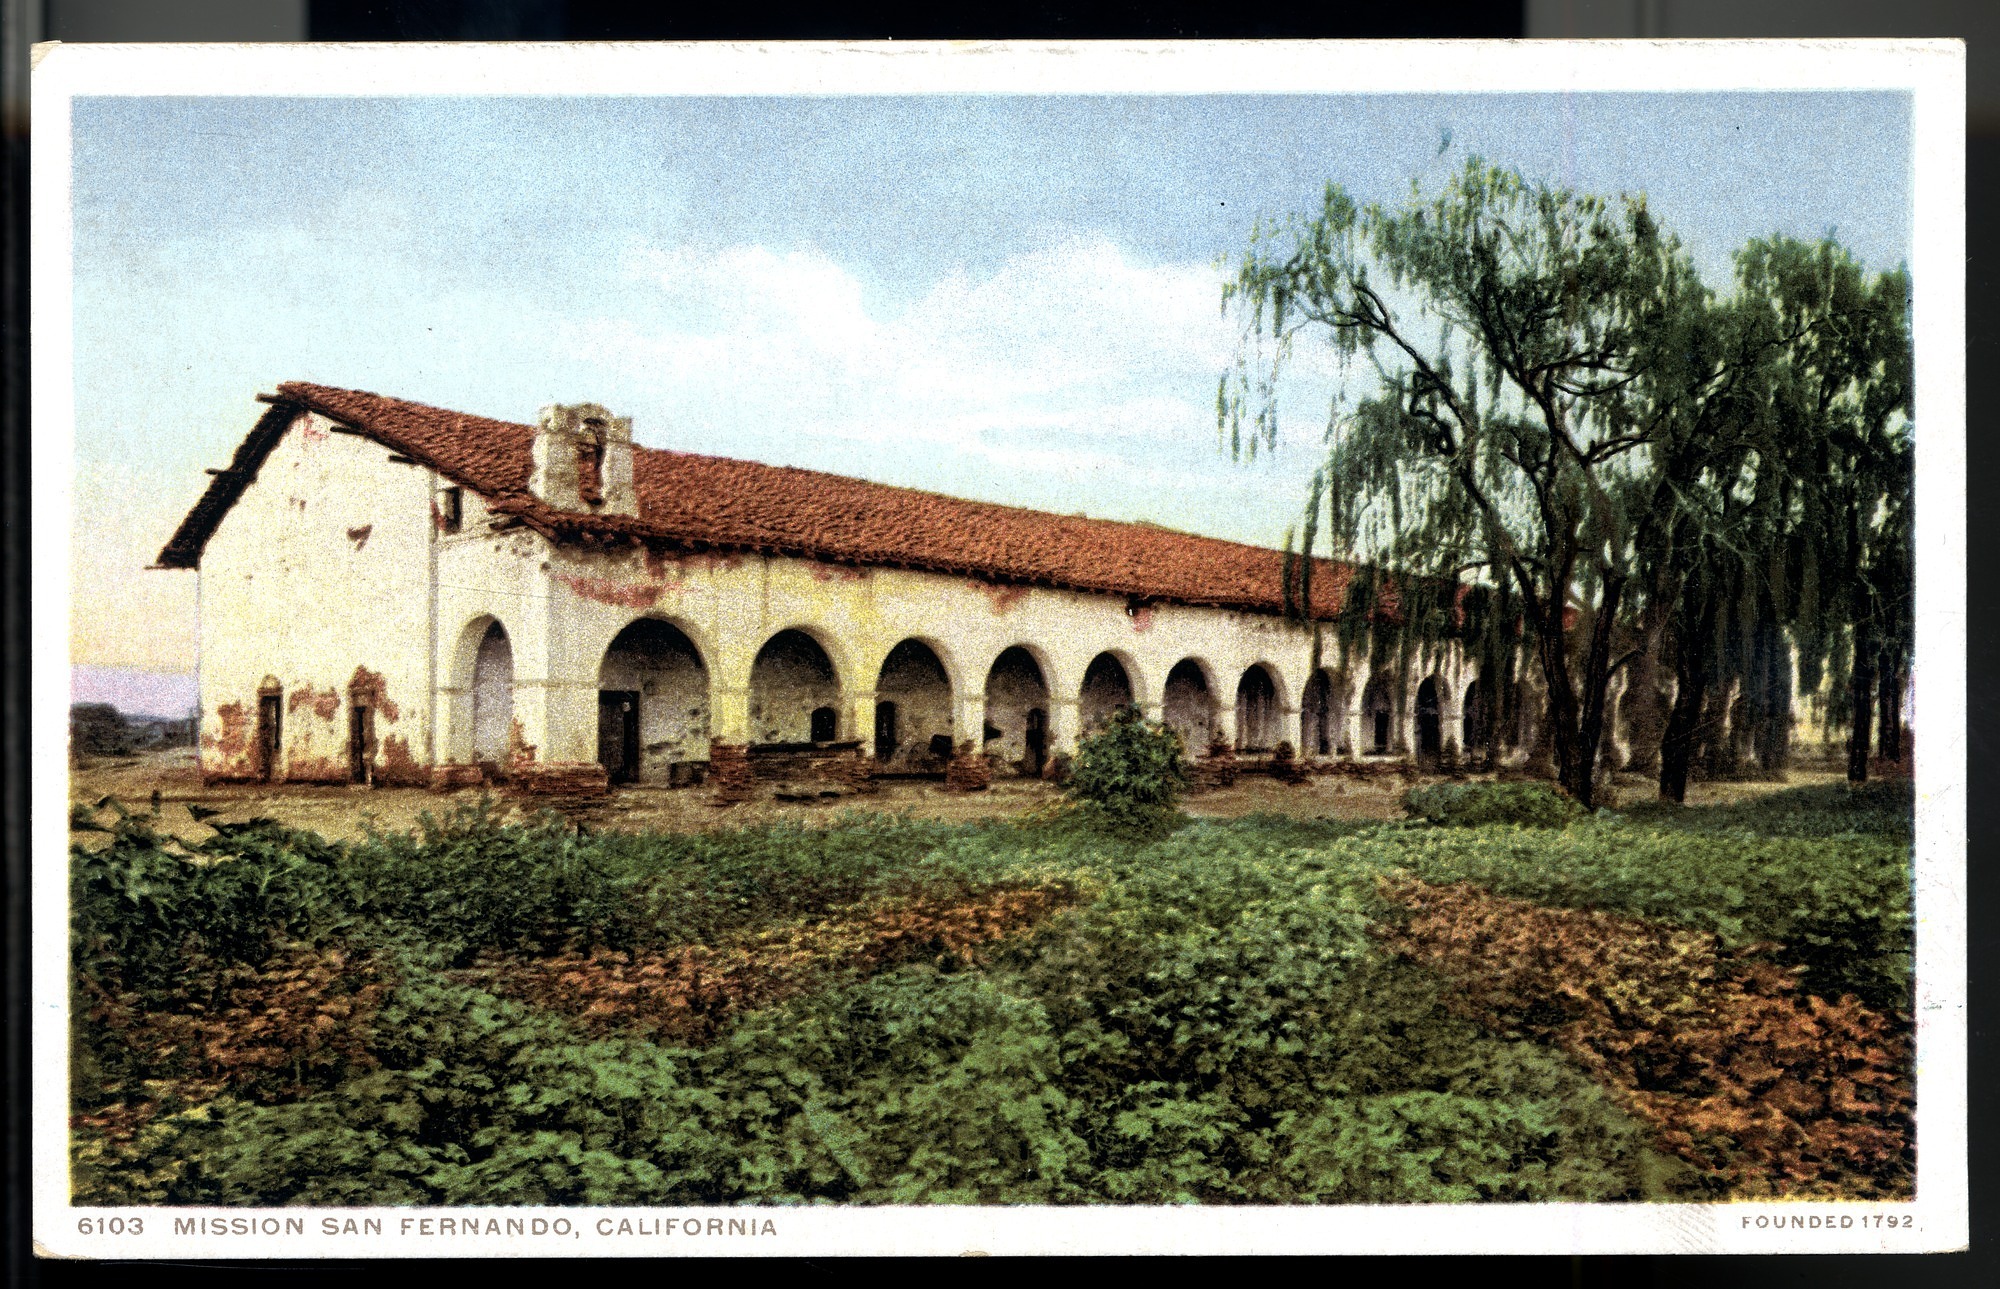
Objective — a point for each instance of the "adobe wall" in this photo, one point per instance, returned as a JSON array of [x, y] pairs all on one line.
[[730, 605], [315, 589]]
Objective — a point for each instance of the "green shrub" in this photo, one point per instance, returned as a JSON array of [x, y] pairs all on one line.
[[1534, 805], [1132, 773], [145, 908], [1216, 1021]]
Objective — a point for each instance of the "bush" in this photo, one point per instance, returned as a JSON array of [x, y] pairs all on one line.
[[1132, 773], [1467, 805]]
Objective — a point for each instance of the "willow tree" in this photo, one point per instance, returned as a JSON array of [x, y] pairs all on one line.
[[1834, 436], [1515, 333]]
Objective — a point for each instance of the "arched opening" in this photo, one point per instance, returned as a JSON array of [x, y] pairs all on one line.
[[1378, 709], [794, 692], [913, 711], [1323, 716], [1188, 707], [492, 697], [1430, 727], [652, 705], [1017, 712], [1477, 724], [1107, 686], [1257, 716]]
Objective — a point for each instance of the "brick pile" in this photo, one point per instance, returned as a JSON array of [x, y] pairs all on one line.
[[730, 774], [968, 771]]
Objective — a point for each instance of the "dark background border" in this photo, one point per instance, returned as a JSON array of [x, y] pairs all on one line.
[[26, 21]]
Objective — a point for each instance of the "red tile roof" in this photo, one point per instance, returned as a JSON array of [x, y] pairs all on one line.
[[708, 502]]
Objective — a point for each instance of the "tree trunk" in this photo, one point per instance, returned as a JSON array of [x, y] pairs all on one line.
[[1678, 740], [1691, 680], [1644, 707], [1862, 699], [1774, 728], [1718, 759], [1889, 704]]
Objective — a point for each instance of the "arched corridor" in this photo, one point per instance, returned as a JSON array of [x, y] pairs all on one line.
[[794, 692], [1107, 686], [912, 707], [1259, 722], [652, 703], [1188, 706], [1017, 712], [492, 697], [1477, 725], [1323, 716], [1378, 716], [1430, 724]]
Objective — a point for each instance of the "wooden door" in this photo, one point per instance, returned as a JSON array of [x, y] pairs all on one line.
[[360, 743], [270, 717], [618, 734]]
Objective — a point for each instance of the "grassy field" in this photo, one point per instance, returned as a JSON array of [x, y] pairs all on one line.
[[1700, 1003]]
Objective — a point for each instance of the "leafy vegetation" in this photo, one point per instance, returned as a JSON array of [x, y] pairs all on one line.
[[1257, 1011], [1631, 468], [1766, 1091], [1537, 805], [1132, 774]]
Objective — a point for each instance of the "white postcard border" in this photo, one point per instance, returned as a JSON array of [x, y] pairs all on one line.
[[1933, 72]]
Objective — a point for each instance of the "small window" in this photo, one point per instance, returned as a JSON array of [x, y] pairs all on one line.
[[451, 511]]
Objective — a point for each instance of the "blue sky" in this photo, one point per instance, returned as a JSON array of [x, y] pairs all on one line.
[[1013, 298]]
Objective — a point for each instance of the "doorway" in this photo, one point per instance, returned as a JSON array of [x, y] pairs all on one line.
[[618, 734], [270, 717], [1036, 739], [885, 731], [360, 743]]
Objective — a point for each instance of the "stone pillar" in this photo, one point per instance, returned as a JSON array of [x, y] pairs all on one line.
[[861, 713], [1225, 727], [1291, 729], [968, 770], [729, 714], [1065, 724], [968, 720]]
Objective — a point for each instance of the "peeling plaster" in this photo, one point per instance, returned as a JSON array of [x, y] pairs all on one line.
[[366, 687], [1003, 597], [325, 706]]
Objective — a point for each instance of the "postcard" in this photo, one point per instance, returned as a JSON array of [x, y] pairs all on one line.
[[803, 649]]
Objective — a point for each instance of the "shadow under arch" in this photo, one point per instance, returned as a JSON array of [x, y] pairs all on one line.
[[796, 691], [652, 704], [1188, 704], [913, 707], [1110, 682], [1016, 729]]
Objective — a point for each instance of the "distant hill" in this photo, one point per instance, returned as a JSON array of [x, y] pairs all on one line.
[[99, 729]]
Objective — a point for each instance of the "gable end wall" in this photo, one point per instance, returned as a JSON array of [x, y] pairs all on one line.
[[318, 579]]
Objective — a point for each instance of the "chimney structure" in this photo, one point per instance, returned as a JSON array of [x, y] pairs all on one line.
[[583, 460]]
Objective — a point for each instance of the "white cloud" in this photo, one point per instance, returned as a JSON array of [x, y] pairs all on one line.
[[1074, 336]]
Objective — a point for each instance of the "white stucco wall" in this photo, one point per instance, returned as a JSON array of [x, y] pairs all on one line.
[[333, 565], [316, 578], [561, 621]]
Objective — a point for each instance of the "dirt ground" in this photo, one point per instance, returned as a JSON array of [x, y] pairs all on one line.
[[341, 812]]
